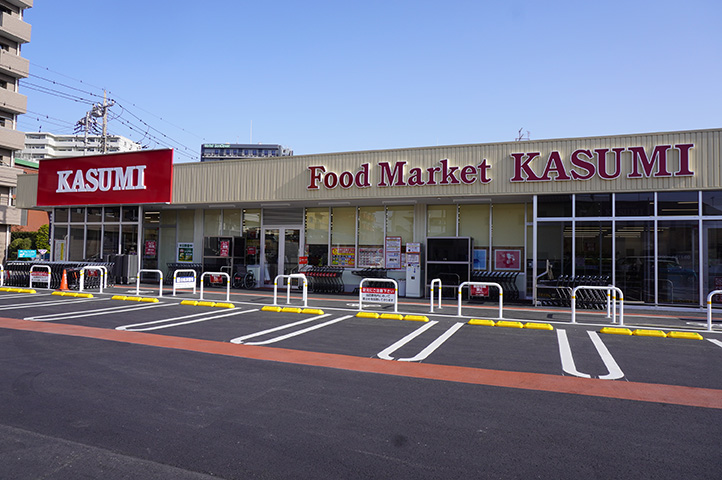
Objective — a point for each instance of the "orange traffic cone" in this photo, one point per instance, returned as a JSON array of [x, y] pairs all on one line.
[[64, 281]]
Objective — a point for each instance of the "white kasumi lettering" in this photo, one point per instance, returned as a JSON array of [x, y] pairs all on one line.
[[103, 179]]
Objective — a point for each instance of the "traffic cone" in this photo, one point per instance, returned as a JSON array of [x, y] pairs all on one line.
[[64, 281]]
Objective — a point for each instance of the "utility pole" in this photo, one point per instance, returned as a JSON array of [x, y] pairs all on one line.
[[102, 111]]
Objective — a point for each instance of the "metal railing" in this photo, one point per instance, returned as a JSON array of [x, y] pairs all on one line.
[[434, 282], [148, 270], [32, 269], [378, 280], [228, 283], [484, 284], [291, 276], [82, 277], [709, 307], [177, 284], [610, 299]]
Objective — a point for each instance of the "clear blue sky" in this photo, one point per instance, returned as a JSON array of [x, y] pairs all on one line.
[[331, 76]]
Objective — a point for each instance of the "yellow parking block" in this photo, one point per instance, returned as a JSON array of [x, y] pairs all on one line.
[[509, 324], [391, 316], [291, 310], [538, 326], [479, 321], [224, 305], [417, 318], [269, 308], [649, 333], [312, 311], [149, 300], [205, 304], [687, 335], [367, 315], [616, 331]]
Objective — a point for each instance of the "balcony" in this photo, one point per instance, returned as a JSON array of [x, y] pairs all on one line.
[[11, 139], [14, 65], [13, 102], [14, 28], [9, 215], [21, 3]]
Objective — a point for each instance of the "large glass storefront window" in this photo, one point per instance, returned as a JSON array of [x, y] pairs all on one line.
[[677, 263], [677, 203], [713, 255], [634, 204], [635, 260], [555, 246], [370, 237], [593, 205], [593, 249], [554, 206], [317, 227], [343, 236], [252, 233], [441, 220]]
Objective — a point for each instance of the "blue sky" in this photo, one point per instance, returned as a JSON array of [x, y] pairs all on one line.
[[331, 76]]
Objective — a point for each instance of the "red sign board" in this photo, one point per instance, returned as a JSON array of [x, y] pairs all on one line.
[[225, 248], [479, 290], [139, 177]]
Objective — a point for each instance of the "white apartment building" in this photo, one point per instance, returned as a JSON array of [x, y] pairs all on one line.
[[14, 32], [39, 145]]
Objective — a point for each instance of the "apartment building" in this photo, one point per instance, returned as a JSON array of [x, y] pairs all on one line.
[[39, 145], [14, 32]]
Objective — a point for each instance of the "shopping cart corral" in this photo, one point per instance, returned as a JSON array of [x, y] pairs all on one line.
[[324, 279], [558, 292], [507, 280], [18, 273]]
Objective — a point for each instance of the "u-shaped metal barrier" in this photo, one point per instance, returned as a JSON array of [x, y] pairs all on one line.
[[610, 298], [181, 284], [82, 277], [148, 270], [32, 269], [484, 284], [434, 282], [291, 276], [228, 283], [709, 307], [379, 280]]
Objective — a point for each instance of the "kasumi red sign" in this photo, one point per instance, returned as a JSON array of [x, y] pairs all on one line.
[[121, 178]]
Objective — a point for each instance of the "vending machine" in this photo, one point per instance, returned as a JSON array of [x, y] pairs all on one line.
[[414, 286]]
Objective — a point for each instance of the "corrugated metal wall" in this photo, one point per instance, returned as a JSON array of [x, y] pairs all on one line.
[[286, 179]]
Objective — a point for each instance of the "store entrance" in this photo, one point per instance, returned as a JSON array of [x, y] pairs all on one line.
[[280, 252]]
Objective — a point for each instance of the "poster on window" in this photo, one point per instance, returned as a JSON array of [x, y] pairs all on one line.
[[343, 256], [151, 247], [185, 252], [507, 260], [393, 252], [370, 256], [225, 248], [480, 262]]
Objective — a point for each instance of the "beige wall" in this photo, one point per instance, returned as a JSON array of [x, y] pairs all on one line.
[[286, 179]]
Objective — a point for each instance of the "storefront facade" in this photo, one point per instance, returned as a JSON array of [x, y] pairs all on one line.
[[643, 210]]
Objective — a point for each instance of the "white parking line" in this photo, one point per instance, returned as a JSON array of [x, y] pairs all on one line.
[[239, 340], [50, 303], [132, 328], [434, 345], [568, 365], [94, 313], [716, 342], [385, 354]]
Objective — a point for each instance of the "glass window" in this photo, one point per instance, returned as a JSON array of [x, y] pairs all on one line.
[[317, 235], [343, 236], [554, 206], [92, 243], [251, 232], [594, 249], [112, 214], [60, 244], [509, 223], [400, 223], [712, 203], [232, 222], [77, 243], [211, 223], [77, 214], [111, 239], [130, 239], [678, 264], [441, 220], [635, 260], [474, 223], [61, 215], [713, 258], [634, 204], [130, 214], [95, 214], [677, 203], [555, 245], [593, 205], [371, 237]]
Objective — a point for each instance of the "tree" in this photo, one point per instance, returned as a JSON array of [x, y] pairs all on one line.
[[42, 240], [18, 244]]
